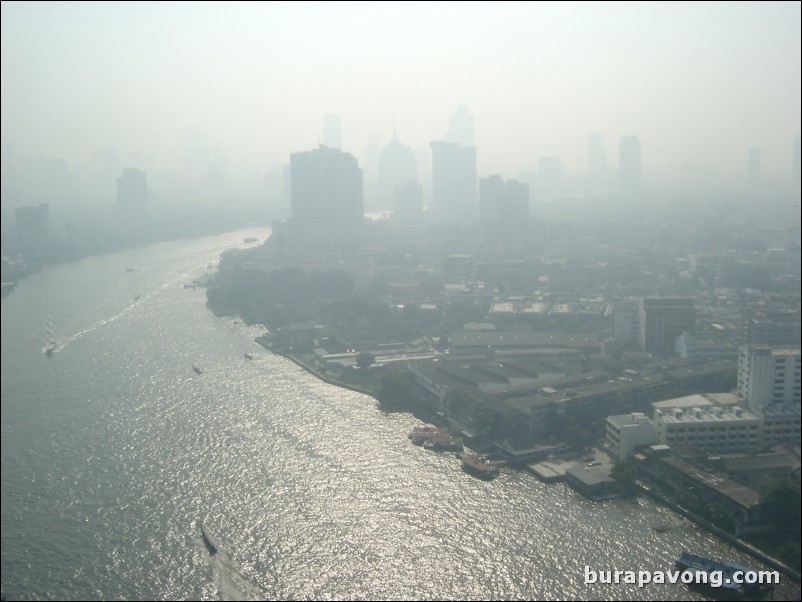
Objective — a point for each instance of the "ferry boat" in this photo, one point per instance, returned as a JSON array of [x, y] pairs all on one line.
[[443, 442], [421, 434], [478, 466], [728, 589]]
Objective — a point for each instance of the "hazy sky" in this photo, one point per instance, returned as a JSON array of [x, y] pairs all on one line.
[[695, 81]]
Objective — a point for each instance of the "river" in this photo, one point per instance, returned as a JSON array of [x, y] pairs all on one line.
[[114, 451]]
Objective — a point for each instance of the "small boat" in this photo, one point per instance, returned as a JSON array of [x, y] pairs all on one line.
[[250, 239], [51, 348], [197, 370], [661, 528], [137, 298], [478, 466], [129, 269], [248, 356], [209, 541]]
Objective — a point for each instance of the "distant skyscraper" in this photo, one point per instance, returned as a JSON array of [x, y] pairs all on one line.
[[33, 223], [408, 203], [332, 131], [132, 192], [460, 128], [453, 181], [629, 173], [326, 187], [753, 174], [503, 205], [397, 166]]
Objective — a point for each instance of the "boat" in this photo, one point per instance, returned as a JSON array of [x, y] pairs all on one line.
[[422, 434], [443, 442], [137, 298], [248, 356], [129, 269], [661, 528], [51, 348], [478, 466], [197, 370], [250, 239], [208, 541], [727, 588]]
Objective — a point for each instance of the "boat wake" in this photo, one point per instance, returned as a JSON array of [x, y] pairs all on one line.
[[230, 582]]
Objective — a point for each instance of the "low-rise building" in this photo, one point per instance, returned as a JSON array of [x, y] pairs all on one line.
[[708, 427], [627, 432]]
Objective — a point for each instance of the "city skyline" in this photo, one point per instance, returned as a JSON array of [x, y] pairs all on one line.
[[536, 80]]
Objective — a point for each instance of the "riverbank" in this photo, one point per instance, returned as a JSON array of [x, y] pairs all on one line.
[[415, 409]]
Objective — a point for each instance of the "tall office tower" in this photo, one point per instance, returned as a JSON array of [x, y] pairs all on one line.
[[33, 223], [768, 376], [332, 135], [503, 205], [397, 166], [453, 181], [326, 187], [491, 197], [629, 174], [460, 128], [797, 167], [662, 320], [753, 173], [132, 192], [597, 159], [408, 204], [371, 159]]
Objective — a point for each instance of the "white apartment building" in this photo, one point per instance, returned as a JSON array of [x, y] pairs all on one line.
[[768, 376], [626, 432]]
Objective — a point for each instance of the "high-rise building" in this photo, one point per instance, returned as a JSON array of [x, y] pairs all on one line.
[[33, 223], [629, 171], [326, 187], [132, 192], [662, 320], [460, 128], [768, 376], [453, 181], [408, 204], [503, 204], [397, 166], [332, 131]]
